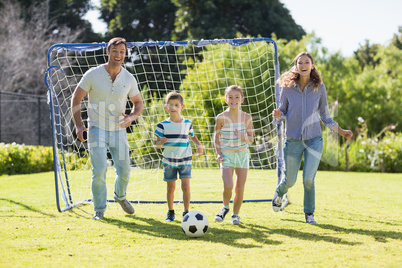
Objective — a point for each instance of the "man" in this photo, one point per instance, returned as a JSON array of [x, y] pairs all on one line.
[[108, 87]]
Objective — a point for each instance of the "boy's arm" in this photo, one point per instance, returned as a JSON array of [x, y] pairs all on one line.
[[160, 141], [200, 149]]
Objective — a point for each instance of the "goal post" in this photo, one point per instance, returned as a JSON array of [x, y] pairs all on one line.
[[200, 71]]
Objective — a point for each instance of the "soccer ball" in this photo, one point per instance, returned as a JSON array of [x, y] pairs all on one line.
[[194, 224]]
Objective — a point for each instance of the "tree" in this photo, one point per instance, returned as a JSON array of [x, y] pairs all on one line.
[[24, 41], [397, 39], [224, 18], [64, 14], [366, 54], [138, 20]]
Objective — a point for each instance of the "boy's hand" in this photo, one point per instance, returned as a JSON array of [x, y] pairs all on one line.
[[163, 140], [200, 150]]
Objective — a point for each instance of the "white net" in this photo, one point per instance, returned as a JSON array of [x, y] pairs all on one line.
[[200, 71]]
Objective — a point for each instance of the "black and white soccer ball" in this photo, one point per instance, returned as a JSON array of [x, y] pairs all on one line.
[[194, 224]]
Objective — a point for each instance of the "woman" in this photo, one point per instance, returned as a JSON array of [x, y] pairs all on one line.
[[303, 102]]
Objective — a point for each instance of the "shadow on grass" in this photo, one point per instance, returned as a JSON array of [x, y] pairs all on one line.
[[259, 234], [380, 236], [292, 233], [26, 207], [160, 229]]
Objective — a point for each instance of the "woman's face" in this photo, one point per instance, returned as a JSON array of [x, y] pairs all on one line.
[[304, 65]]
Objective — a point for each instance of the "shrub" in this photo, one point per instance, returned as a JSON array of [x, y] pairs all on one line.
[[22, 159]]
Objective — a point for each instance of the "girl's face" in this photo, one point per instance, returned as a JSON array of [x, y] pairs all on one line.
[[234, 99], [304, 65]]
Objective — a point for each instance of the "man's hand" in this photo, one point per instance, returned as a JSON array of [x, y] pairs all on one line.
[[126, 121], [80, 132]]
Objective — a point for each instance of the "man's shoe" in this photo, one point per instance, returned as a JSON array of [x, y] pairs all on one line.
[[98, 216], [235, 219], [125, 205], [184, 213], [220, 216], [276, 203], [310, 219], [170, 216]]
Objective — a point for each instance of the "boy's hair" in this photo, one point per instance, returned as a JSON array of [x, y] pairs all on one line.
[[174, 96], [115, 42], [236, 88]]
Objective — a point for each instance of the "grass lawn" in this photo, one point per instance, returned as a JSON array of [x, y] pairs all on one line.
[[359, 216]]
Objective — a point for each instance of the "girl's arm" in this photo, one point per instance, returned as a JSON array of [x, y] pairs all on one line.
[[217, 140], [249, 135]]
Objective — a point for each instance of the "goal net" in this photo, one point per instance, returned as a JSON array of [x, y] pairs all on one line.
[[200, 71]]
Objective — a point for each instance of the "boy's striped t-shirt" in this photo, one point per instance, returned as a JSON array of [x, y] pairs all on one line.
[[177, 150]]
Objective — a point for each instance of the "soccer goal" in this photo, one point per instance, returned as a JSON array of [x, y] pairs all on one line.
[[200, 71]]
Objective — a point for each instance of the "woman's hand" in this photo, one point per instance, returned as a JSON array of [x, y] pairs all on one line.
[[276, 113]]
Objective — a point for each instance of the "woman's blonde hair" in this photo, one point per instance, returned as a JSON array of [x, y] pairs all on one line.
[[289, 77]]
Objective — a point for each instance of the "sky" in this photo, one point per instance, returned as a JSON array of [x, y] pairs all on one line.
[[342, 25]]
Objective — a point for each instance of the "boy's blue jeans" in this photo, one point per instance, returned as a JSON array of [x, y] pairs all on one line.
[[99, 141], [293, 153]]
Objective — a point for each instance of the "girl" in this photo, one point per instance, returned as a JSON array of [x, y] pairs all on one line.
[[303, 102], [233, 133]]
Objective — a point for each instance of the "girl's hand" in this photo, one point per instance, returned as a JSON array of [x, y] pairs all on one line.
[[239, 135], [276, 113], [219, 159]]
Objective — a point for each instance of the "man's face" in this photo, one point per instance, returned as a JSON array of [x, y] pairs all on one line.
[[117, 54]]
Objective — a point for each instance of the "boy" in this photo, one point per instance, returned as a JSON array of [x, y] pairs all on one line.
[[173, 135]]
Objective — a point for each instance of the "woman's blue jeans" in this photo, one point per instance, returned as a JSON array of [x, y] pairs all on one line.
[[293, 153], [99, 141]]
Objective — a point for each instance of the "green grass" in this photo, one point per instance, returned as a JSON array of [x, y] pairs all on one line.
[[360, 216]]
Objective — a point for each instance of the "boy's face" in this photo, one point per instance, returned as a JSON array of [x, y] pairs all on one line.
[[174, 106]]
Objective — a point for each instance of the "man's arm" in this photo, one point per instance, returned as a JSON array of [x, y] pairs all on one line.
[[76, 99], [138, 106]]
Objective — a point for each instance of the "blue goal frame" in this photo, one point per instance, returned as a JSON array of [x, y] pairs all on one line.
[[55, 111]]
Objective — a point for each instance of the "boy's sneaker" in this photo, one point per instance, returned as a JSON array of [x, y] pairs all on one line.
[[221, 214], [170, 216], [310, 219], [235, 219], [185, 213], [98, 216], [125, 205], [276, 203]]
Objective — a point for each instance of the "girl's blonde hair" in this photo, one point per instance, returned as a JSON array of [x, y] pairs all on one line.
[[289, 77], [236, 88]]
